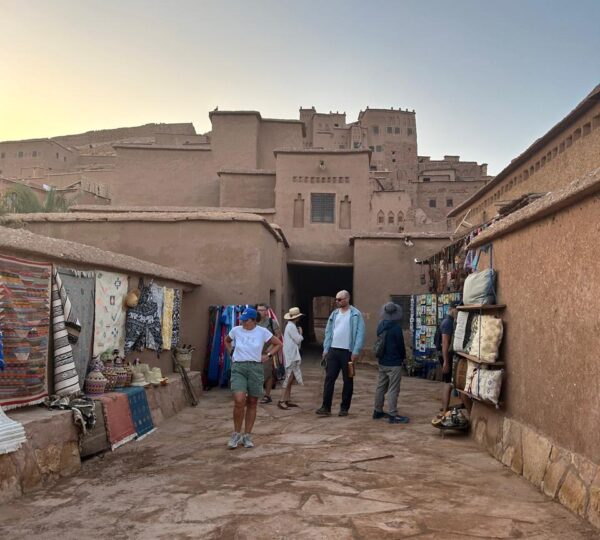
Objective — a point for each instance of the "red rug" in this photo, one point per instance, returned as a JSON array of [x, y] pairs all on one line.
[[117, 417]]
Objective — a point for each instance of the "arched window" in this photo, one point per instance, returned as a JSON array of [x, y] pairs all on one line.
[[400, 217], [380, 217], [391, 218]]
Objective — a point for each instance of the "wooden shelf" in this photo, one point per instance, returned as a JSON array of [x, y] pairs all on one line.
[[480, 307], [478, 360], [479, 399]]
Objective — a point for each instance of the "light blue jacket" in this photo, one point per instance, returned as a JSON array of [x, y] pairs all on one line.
[[357, 330]]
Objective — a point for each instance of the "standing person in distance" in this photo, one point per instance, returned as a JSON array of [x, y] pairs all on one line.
[[390, 363], [268, 367], [247, 372], [344, 338], [292, 338]]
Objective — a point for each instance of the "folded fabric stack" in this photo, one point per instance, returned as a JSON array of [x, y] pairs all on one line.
[[12, 434]]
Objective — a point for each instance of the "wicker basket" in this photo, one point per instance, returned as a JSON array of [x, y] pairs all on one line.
[[184, 357], [460, 377]]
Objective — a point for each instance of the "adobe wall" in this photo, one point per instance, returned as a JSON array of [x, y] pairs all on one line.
[[241, 262], [385, 267], [234, 140], [35, 155], [447, 195], [238, 190], [344, 175], [276, 134], [174, 177], [390, 205]]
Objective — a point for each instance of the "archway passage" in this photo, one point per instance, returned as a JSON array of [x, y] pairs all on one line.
[[312, 288]]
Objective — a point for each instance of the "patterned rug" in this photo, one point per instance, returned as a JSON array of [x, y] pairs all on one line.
[[117, 417], [66, 381], [80, 288], [25, 323], [109, 325], [12, 434], [140, 410], [143, 320], [176, 318], [167, 318], [158, 295]]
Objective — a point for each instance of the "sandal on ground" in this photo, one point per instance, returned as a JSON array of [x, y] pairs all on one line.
[[266, 399], [282, 405], [290, 404]]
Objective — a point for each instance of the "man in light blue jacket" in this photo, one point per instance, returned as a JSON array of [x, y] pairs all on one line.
[[344, 338]]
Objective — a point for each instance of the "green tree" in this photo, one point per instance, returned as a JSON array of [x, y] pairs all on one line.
[[21, 199]]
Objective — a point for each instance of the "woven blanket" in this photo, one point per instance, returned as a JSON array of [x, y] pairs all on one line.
[[109, 325], [80, 288], [25, 323], [1, 352], [167, 318], [143, 320], [117, 417], [158, 295], [12, 434], [176, 318], [140, 410], [66, 381]]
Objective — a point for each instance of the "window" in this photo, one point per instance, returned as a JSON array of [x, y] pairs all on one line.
[[389, 129], [378, 148], [403, 300], [34, 153], [322, 207], [56, 155], [449, 203], [356, 144], [65, 158], [372, 148], [432, 203], [2, 155], [391, 218], [394, 160], [380, 217], [409, 131], [20, 154], [400, 217], [397, 131], [375, 130], [426, 179]]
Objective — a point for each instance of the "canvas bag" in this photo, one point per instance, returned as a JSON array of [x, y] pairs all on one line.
[[480, 288]]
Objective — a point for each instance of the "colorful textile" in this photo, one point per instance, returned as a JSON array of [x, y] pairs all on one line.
[[80, 288], [143, 320], [12, 434], [167, 318], [158, 296], [66, 381], [176, 318], [25, 322], [109, 326], [140, 410], [84, 414], [117, 417], [1, 352]]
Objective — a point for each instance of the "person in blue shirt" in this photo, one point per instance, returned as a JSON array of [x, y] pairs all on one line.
[[390, 364], [447, 354]]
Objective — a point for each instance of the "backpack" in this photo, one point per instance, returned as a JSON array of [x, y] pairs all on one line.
[[379, 346]]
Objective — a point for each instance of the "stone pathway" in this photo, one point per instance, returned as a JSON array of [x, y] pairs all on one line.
[[307, 478]]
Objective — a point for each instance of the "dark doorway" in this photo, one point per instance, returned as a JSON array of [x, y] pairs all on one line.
[[309, 281]]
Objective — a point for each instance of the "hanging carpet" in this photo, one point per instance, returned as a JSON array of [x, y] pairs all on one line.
[[167, 318], [143, 320], [66, 381], [12, 434], [109, 325], [158, 296], [80, 289], [140, 410], [176, 318], [25, 323], [117, 417]]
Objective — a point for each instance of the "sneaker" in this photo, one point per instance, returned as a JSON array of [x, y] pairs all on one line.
[[323, 412], [247, 441], [378, 414], [398, 419], [343, 412], [235, 439]]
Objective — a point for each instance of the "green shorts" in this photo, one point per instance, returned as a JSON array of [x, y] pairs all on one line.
[[247, 377]]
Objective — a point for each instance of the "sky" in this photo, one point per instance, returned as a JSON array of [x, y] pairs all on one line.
[[485, 78]]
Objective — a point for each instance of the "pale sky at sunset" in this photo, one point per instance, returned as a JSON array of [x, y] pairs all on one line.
[[485, 78]]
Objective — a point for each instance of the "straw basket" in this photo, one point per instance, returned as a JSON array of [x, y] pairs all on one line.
[[184, 357]]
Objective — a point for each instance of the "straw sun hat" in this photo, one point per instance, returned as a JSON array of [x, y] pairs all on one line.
[[292, 314]]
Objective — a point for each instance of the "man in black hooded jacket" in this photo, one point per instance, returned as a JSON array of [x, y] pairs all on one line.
[[390, 363]]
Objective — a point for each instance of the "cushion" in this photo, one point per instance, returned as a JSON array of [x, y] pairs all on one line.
[[480, 288], [486, 336], [460, 331], [486, 384]]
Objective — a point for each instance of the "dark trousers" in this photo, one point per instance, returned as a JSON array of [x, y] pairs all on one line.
[[337, 360]]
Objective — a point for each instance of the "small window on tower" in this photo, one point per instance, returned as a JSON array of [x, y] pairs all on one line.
[[375, 130], [449, 203], [432, 203], [322, 207], [426, 179], [397, 131], [389, 129]]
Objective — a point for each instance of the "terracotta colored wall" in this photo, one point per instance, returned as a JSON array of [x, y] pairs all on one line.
[[276, 135], [441, 192], [247, 190], [234, 140], [240, 261], [383, 267], [13, 166], [548, 278], [567, 160], [164, 177], [325, 242]]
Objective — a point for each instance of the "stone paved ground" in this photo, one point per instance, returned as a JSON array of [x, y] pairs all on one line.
[[307, 478]]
